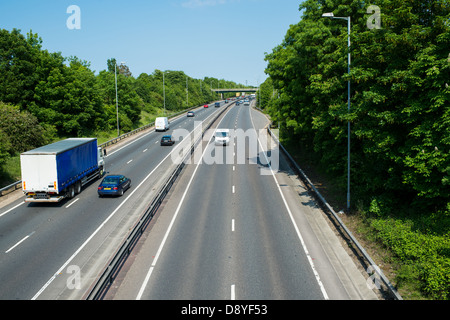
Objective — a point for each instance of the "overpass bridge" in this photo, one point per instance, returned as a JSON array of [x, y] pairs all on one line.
[[235, 90]]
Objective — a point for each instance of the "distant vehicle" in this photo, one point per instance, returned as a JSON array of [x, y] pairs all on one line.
[[191, 114], [246, 103], [222, 137], [167, 140], [217, 104], [226, 101], [238, 102], [161, 124], [59, 170], [205, 106], [113, 185]]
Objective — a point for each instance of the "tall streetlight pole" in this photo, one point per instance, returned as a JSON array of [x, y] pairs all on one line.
[[117, 102], [331, 15], [164, 93]]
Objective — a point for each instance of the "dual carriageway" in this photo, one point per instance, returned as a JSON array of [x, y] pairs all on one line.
[[227, 230]]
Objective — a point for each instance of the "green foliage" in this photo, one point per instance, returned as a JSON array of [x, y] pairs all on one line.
[[400, 114], [46, 97], [69, 100], [20, 129]]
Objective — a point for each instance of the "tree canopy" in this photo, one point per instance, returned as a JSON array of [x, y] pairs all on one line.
[[67, 99], [399, 115]]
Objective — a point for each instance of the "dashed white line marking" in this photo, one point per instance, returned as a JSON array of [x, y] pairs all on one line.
[[233, 189], [25, 238], [145, 150], [72, 202], [129, 161], [233, 292], [232, 224], [169, 228]]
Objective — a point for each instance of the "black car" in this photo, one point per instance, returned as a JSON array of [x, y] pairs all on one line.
[[113, 185], [167, 140]]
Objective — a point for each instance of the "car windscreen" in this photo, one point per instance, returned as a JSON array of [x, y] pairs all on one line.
[[221, 134]]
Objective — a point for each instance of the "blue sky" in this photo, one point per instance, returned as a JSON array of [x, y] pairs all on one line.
[[225, 39]]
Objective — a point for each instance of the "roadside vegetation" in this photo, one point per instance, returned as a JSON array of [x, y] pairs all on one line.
[[45, 97], [400, 125]]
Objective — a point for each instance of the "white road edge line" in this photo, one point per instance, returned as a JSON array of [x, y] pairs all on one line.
[[311, 263], [155, 259], [60, 270]]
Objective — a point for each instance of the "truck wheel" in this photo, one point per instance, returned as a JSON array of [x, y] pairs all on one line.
[[78, 187], [71, 192]]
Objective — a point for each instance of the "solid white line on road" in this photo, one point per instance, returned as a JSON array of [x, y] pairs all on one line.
[[60, 270], [11, 209], [25, 238], [72, 202], [155, 259], [311, 263]]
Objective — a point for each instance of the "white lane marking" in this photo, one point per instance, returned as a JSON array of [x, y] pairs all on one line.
[[233, 292], [72, 202], [60, 270], [232, 189], [129, 161], [155, 259], [297, 230], [9, 210], [145, 150], [232, 224], [25, 238]]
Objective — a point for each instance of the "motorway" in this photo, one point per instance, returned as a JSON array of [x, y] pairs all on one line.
[[232, 227], [46, 250], [237, 228]]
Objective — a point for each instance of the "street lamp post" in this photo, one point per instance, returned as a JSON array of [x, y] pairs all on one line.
[[164, 93], [331, 15]]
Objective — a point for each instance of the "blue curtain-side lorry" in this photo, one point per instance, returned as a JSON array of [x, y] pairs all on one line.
[[59, 170]]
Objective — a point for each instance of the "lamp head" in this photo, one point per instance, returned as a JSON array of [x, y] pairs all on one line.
[[328, 15]]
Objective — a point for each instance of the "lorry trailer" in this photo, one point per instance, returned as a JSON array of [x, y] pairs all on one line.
[[59, 170]]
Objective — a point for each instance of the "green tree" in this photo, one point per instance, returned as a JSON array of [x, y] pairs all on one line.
[[20, 130], [18, 59]]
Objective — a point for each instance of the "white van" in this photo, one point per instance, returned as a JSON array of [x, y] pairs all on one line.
[[222, 137], [161, 124]]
